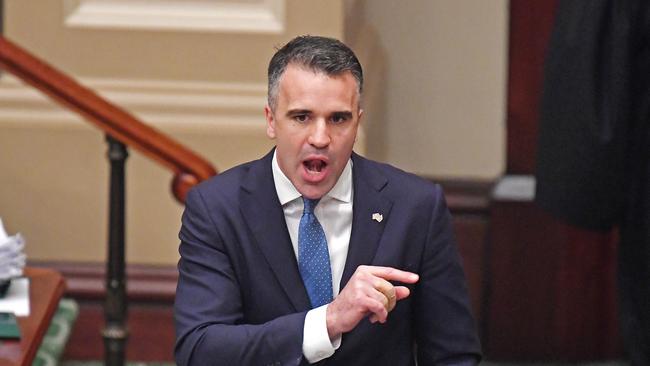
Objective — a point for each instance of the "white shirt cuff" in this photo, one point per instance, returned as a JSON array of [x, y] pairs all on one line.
[[316, 344]]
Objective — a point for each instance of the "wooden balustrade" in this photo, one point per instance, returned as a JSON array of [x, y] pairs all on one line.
[[187, 166], [122, 130]]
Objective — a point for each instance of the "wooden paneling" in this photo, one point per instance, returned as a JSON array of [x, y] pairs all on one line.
[[151, 332], [471, 231], [150, 290], [530, 28], [551, 293], [146, 283]]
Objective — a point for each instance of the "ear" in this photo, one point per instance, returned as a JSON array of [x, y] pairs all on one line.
[[359, 116], [270, 122]]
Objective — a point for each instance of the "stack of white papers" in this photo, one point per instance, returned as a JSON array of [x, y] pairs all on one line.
[[12, 257], [16, 300]]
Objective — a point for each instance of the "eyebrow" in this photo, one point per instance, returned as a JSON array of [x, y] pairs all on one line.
[[345, 114], [295, 112]]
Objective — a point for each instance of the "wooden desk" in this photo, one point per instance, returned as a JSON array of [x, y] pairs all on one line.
[[45, 290]]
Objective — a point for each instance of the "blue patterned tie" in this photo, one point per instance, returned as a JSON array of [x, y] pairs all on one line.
[[313, 257]]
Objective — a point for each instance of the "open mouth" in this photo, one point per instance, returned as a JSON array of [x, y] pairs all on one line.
[[314, 165]]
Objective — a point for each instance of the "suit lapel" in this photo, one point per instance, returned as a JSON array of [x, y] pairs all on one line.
[[263, 213], [366, 230]]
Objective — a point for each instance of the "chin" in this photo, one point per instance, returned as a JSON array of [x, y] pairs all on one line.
[[312, 195], [313, 192]]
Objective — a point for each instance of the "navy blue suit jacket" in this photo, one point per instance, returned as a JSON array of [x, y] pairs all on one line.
[[240, 298]]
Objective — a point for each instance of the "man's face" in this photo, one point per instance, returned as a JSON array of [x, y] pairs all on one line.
[[315, 125]]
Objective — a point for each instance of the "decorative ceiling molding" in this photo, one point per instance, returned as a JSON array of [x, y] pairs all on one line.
[[179, 105], [251, 16]]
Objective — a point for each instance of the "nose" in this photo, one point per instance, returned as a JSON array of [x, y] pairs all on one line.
[[319, 136]]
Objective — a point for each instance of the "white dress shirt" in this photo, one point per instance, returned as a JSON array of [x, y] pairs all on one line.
[[334, 212]]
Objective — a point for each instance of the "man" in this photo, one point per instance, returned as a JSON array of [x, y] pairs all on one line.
[[314, 253]]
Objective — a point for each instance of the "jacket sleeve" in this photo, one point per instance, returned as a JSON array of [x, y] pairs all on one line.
[[210, 325], [444, 326]]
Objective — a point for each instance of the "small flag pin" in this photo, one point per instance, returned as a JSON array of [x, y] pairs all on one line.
[[377, 216]]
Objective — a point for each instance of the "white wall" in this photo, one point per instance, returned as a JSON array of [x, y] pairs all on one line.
[[436, 74]]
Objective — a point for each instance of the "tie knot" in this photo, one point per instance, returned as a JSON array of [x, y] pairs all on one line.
[[309, 204]]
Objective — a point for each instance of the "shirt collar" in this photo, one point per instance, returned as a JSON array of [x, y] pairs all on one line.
[[341, 191]]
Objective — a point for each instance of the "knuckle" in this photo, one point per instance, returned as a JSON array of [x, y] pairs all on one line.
[[358, 286], [358, 297]]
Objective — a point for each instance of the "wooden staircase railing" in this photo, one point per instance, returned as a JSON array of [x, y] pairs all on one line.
[[122, 129], [188, 167]]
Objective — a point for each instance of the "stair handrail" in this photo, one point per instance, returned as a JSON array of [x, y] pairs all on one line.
[[188, 167], [122, 129]]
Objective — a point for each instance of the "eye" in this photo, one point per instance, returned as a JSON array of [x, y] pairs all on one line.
[[340, 118], [302, 118]]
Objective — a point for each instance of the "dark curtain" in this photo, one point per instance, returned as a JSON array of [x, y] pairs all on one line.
[[593, 162]]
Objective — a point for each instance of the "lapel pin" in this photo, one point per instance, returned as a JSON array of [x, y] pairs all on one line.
[[377, 216]]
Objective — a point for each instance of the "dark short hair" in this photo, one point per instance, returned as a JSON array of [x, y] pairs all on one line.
[[321, 54]]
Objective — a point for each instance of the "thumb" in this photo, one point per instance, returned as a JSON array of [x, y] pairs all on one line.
[[402, 292]]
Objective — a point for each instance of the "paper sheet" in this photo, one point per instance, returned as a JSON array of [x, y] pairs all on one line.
[[17, 298]]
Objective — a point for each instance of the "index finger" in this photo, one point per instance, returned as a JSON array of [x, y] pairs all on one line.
[[394, 274]]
